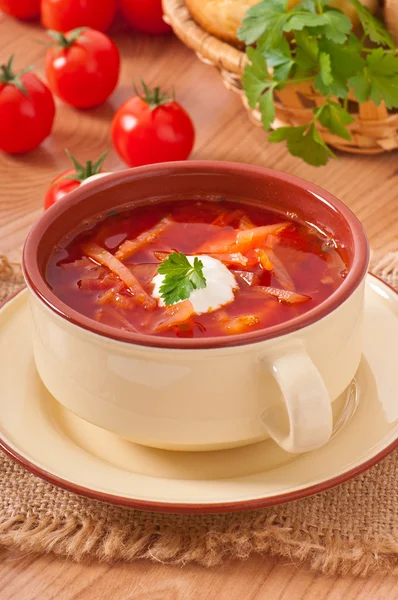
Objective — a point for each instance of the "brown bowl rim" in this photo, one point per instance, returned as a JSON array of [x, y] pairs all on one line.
[[41, 290]]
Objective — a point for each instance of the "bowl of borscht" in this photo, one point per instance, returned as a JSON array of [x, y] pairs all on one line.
[[199, 305]]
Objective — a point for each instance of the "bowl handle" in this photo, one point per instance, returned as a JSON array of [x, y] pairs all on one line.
[[307, 402]]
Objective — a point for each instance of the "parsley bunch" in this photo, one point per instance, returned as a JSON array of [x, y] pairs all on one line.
[[322, 49]]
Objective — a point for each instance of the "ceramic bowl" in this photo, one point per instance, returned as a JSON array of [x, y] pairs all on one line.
[[201, 394]]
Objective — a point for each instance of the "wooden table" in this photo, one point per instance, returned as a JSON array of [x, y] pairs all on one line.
[[367, 184]]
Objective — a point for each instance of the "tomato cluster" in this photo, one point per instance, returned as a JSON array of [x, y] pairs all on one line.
[[64, 15], [82, 69]]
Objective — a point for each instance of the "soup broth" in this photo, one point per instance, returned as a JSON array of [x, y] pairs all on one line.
[[281, 268]]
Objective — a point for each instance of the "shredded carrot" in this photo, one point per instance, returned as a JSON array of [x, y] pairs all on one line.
[[96, 280], [255, 237], [247, 277], [241, 324], [174, 315], [271, 241], [161, 256], [231, 259], [109, 316], [226, 218], [280, 271], [144, 272], [264, 260], [129, 247], [107, 296], [223, 243], [246, 223], [119, 300], [105, 258], [284, 295], [242, 240], [336, 265], [221, 316], [327, 280]]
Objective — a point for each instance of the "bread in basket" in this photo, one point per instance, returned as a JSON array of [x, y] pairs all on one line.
[[223, 18], [374, 128]]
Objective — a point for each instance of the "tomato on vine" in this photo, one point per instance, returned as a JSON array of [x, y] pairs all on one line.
[[64, 15], [21, 9], [151, 128], [82, 68], [145, 15], [27, 110], [73, 178]]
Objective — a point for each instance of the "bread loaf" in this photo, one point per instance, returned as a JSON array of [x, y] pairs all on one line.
[[223, 18]]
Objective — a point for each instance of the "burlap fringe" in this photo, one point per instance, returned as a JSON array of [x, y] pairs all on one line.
[[384, 266], [85, 539]]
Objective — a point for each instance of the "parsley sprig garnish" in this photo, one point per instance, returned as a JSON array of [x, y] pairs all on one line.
[[323, 50], [181, 278]]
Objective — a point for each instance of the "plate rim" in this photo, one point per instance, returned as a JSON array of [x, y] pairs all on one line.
[[194, 508]]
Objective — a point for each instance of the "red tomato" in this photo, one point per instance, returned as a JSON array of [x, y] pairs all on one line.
[[21, 9], [152, 128], [83, 69], [145, 15], [72, 179], [27, 110], [64, 15]]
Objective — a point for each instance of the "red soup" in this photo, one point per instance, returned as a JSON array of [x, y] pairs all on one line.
[[135, 269]]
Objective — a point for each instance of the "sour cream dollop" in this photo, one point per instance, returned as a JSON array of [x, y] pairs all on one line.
[[219, 290]]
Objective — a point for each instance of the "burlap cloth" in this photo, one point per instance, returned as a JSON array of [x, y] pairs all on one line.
[[350, 529]]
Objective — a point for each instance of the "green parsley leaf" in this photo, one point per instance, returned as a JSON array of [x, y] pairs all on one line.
[[372, 26], [361, 85], [379, 80], [259, 86], [298, 21], [267, 108], [255, 78], [326, 68], [304, 142], [264, 20], [305, 5], [336, 28], [345, 62], [307, 52], [280, 59], [181, 278], [334, 117]]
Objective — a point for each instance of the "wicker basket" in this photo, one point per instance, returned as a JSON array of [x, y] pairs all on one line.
[[374, 130], [391, 17]]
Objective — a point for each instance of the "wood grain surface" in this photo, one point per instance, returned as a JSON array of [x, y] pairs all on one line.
[[367, 184]]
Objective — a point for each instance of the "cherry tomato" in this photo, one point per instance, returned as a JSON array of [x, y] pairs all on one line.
[[64, 15], [21, 9], [145, 15], [83, 68], [27, 110], [151, 128], [72, 178]]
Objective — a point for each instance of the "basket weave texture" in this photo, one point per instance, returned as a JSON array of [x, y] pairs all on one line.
[[391, 17], [374, 130]]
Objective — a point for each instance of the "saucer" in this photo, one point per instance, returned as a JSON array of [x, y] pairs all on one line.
[[54, 444]]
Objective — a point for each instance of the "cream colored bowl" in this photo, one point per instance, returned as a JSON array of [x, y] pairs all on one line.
[[216, 392]]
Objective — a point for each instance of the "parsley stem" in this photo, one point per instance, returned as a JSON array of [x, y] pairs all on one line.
[[345, 103], [319, 6], [298, 80], [362, 40], [318, 112], [384, 50]]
